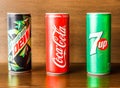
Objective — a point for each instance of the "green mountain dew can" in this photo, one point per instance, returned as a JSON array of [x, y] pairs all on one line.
[[98, 38], [19, 42]]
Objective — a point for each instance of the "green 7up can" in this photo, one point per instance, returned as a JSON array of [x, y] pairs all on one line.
[[98, 38], [19, 42]]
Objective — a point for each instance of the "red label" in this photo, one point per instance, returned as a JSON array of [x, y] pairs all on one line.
[[102, 44], [59, 39]]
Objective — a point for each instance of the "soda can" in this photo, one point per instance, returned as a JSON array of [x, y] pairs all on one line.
[[98, 38], [57, 43], [19, 42]]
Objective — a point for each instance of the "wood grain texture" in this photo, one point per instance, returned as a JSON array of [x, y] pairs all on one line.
[[77, 10], [76, 78]]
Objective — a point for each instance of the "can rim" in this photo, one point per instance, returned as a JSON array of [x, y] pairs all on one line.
[[99, 13], [17, 13], [56, 13]]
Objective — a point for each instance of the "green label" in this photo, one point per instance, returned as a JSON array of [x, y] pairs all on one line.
[[98, 35]]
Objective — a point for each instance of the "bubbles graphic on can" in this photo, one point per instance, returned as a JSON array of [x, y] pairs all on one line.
[[57, 43], [98, 38], [19, 42]]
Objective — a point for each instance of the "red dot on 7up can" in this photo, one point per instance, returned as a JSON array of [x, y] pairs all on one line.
[[98, 38]]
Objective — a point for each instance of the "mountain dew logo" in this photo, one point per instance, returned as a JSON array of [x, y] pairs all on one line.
[[19, 36], [22, 40], [100, 43]]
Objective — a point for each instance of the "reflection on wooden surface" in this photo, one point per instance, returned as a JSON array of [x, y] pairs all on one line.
[[97, 81], [56, 81], [76, 78], [19, 79]]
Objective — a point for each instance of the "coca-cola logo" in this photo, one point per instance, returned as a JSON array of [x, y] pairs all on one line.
[[59, 38]]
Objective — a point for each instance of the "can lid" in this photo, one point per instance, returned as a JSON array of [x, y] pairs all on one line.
[[16, 13], [98, 13], [56, 13]]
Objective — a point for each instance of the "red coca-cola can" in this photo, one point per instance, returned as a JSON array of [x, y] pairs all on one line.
[[57, 43]]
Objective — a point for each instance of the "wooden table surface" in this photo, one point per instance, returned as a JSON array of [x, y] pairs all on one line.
[[76, 78]]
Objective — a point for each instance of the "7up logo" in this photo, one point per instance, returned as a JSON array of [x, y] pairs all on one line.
[[102, 44], [99, 42]]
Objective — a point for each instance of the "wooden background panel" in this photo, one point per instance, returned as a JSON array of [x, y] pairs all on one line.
[[77, 10]]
